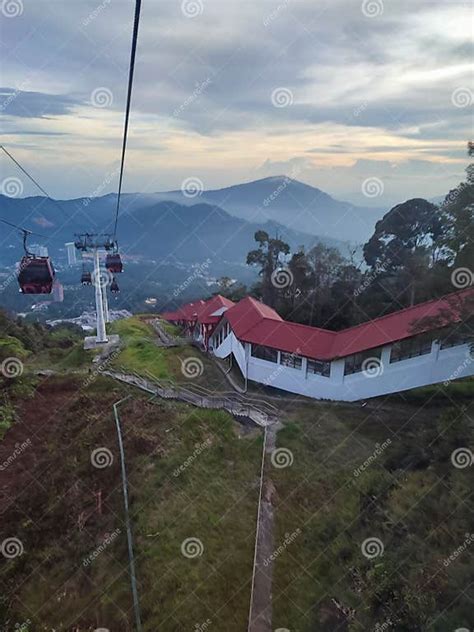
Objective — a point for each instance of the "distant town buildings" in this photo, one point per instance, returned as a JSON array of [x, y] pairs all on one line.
[[58, 292], [38, 250], [71, 253]]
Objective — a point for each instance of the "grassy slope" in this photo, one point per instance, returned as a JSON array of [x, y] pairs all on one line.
[[410, 497], [55, 513], [143, 356]]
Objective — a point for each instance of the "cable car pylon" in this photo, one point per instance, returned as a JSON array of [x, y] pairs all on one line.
[[101, 277]]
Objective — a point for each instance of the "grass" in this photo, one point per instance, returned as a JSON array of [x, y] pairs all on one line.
[[141, 355], [408, 495], [192, 474]]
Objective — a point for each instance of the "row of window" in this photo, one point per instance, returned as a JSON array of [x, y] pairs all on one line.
[[316, 367], [402, 350]]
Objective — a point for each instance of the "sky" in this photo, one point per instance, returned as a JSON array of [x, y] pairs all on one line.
[[333, 93]]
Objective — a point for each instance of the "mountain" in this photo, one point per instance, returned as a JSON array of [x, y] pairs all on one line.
[[294, 204], [166, 229]]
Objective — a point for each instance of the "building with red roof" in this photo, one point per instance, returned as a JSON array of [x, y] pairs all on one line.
[[395, 352]]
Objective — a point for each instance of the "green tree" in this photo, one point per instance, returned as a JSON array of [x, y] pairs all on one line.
[[268, 257]]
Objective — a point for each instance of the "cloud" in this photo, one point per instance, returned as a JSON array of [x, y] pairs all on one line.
[[380, 88], [24, 104]]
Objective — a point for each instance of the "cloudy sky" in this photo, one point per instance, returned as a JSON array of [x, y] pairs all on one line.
[[329, 91]]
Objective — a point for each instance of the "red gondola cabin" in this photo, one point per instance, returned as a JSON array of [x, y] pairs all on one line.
[[113, 263], [36, 275]]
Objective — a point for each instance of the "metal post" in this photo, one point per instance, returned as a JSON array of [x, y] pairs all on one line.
[[101, 333], [128, 526], [105, 300]]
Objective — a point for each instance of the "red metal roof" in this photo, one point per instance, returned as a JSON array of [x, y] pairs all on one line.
[[255, 322]]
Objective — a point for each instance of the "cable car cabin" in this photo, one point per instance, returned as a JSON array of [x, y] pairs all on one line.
[[113, 263], [36, 275], [86, 278], [114, 287]]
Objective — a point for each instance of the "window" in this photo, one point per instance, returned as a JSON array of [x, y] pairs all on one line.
[[356, 363], [290, 359], [265, 353], [410, 348], [454, 339], [318, 367]]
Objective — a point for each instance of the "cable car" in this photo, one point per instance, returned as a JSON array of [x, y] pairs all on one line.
[[114, 286], [36, 275], [86, 278], [113, 263]]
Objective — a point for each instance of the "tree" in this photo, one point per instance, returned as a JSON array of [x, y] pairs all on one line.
[[325, 264], [458, 208], [268, 256], [405, 243]]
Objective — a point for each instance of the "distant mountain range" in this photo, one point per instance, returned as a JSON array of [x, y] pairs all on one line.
[[212, 224], [293, 204]]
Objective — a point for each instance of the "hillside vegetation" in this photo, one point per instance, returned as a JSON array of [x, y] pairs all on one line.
[[383, 473]]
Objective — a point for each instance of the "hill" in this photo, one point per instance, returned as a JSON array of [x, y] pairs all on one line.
[[187, 233], [296, 205]]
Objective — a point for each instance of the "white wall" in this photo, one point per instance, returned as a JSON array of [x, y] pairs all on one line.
[[435, 367]]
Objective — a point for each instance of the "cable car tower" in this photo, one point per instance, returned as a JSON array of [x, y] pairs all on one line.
[[100, 277]]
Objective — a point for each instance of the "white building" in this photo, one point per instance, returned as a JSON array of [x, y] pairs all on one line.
[[382, 356], [71, 253]]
